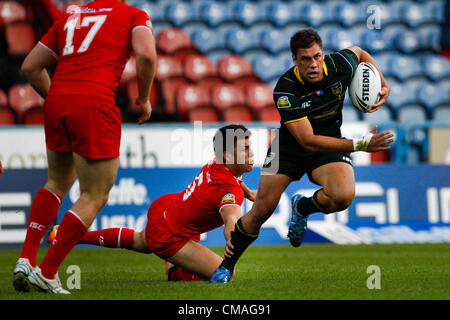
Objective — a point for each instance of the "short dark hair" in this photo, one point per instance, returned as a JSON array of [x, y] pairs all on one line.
[[222, 138], [304, 39]]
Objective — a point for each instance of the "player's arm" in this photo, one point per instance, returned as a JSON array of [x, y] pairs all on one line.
[[143, 44], [249, 194], [304, 134], [230, 215], [364, 56], [34, 67]]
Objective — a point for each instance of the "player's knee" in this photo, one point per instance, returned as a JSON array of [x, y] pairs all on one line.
[[343, 201], [97, 200]]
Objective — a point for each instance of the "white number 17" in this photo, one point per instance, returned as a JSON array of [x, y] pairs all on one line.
[[71, 25]]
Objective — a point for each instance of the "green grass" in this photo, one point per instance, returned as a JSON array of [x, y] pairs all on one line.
[[411, 271]]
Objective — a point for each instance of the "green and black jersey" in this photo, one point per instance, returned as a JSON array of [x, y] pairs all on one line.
[[320, 102]]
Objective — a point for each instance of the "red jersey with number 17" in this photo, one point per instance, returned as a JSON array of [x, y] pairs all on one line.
[[197, 209], [93, 44]]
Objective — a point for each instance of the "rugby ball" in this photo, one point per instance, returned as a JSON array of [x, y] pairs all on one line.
[[365, 87]]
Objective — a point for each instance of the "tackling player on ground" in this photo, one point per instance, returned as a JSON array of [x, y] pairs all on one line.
[[176, 221], [309, 98], [90, 47]]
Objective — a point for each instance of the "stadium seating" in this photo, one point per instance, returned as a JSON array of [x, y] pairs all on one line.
[[129, 72], [197, 68], [248, 13], [215, 13], [238, 114], [280, 14], [411, 114], [190, 97], [20, 38], [203, 114], [233, 68], [175, 42], [259, 96], [132, 92], [3, 99], [436, 67], [224, 96], [34, 116], [22, 97], [11, 11], [269, 115], [7, 117]]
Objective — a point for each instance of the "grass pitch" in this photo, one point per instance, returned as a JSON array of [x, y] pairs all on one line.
[[410, 271]]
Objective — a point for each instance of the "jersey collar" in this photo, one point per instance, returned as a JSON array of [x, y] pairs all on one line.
[[297, 73]]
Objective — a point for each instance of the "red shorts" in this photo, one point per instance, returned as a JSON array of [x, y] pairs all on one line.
[[160, 240], [87, 125]]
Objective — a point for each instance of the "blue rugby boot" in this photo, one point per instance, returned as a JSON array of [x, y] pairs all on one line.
[[297, 224], [221, 275]]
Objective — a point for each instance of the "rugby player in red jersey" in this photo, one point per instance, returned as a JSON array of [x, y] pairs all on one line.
[[176, 221], [90, 47]]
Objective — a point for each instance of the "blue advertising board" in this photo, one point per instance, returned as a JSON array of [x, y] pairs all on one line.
[[393, 204]]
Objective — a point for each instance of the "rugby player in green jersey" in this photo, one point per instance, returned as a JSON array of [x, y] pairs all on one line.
[[309, 98]]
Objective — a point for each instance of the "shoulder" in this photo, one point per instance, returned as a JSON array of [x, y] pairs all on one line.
[[342, 61], [286, 83]]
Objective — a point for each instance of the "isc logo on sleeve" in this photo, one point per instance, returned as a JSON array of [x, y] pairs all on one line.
[[229, 198]]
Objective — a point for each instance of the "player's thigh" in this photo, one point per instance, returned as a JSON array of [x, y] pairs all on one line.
[[197, 258], [337, 180], [270, 189], [61, 172], [96, 176]]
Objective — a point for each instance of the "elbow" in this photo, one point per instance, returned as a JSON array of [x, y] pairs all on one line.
[[309, 145], [26, 68], [148, 56]]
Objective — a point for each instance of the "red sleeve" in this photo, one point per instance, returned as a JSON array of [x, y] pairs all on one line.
[[230, 196], [49, 40], [141, 19]]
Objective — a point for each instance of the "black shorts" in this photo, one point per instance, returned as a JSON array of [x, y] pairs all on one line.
[[294, 162]]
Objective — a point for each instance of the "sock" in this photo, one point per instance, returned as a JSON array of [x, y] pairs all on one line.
[[240, 241], [110, 238], [180, 274], [70, 231], [306, 206], [43, 211]]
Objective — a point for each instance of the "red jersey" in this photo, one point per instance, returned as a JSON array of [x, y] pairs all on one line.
[[197, 209], [93, 46]]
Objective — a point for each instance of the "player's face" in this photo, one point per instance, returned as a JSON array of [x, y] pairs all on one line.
[[244, 155], [310, 63]]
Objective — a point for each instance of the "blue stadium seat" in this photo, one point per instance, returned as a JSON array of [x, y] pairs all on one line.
[[239, 40], [414, 14], [248, 13], [407, 41], [267, 68], [391, 32], [350, 114], [395, 9], [405, 67], [441, 114], [315, 14], [398, 97], [374, 41], [206, 40], [436, 67], [343, 39], [430, 37], [431, 95], [215, 13], [280, 14], [411, 114], [348, 14], [274, 41], [179, 13], [436, 9], [383, 114], [154, 10], [383, 62]]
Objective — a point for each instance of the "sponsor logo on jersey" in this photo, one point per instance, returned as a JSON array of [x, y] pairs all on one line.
[[320, 93], [337, 89], [229, 198], [283, 102]]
